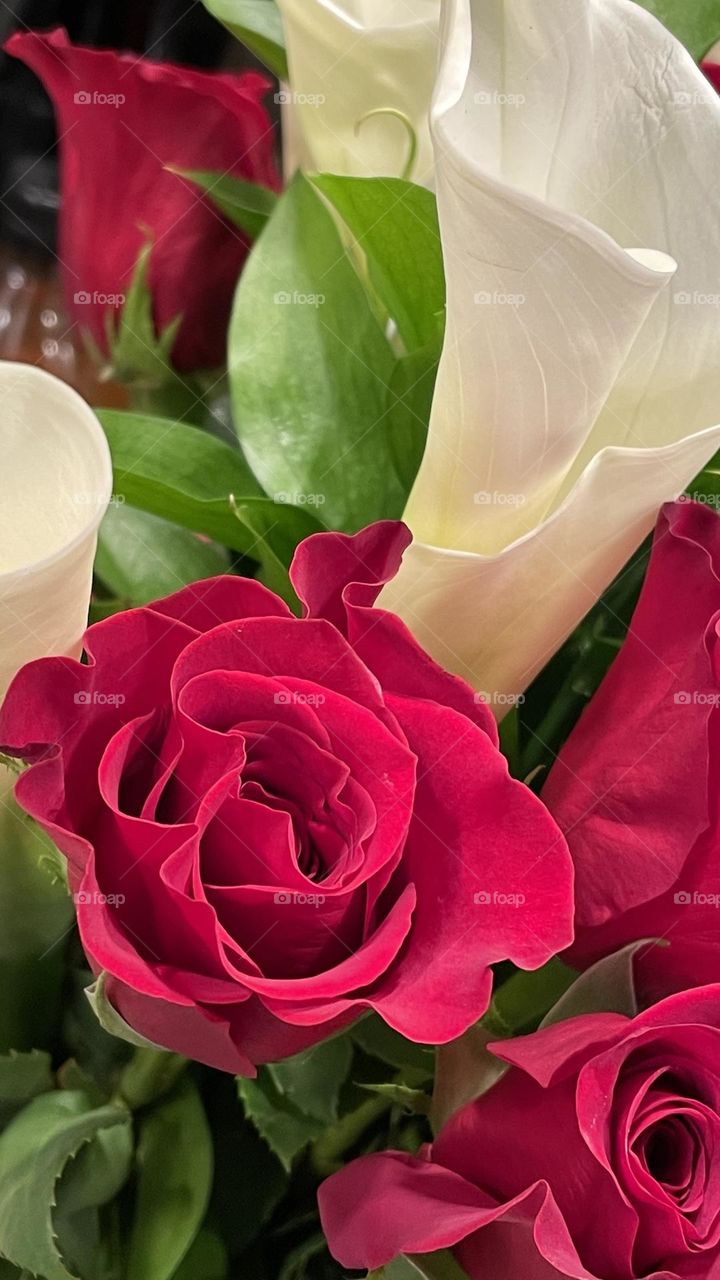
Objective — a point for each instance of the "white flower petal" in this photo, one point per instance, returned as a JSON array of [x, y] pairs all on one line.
[[348, 58], [576, 151], [55, 485]]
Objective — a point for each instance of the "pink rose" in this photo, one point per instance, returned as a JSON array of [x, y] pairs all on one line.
[[274, 824], [595, 1157], [636, 787], [123, 121]]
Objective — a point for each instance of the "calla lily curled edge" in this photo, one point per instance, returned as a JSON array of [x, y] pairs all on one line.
[[579, 386]]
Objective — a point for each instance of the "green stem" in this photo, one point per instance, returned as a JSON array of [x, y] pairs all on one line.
[[328, 1151], [149, 1074]]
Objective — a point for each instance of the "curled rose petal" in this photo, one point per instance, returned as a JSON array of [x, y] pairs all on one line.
[[276, 824]]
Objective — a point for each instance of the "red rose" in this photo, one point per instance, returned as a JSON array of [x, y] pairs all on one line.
[[636, 786], [596, 1157], [122, 121], [712, 71], [274, 824]]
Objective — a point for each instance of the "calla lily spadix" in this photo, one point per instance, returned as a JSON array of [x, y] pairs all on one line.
[[361, 77], [55, 485], [577, 149]]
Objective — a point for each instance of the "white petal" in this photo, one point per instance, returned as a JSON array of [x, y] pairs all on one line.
[[351, 57], [55, 485], [576, 148]]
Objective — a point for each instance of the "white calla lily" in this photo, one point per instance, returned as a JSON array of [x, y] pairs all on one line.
[[55, 485], [577, 150], [348, 60]]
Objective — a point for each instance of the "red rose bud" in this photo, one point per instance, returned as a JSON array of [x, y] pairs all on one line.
[[595, 1156], [274, 825], [122, 121]]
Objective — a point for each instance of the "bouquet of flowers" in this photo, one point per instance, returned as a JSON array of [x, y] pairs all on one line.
[[360, 860]]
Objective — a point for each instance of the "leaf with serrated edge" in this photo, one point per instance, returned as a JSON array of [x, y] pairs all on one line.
[[34, 1150]]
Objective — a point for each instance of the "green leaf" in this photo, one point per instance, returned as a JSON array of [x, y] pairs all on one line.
[[249, 1179], [309, 370], [34, 1150], [258, 25], [409, 402], [520, 1003], [429, 1266], [246, 204], [109, 1018], [606, 987], [285, 1129], [401, 1095], [135, 348], [395, 225], [175, 1169], [312, 1080], [696, 23], [99, 1171], [378, 1039], [142, 557], [206, 1259], [295, 1265], [37, 916], [187, 476], [22, 1077]]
